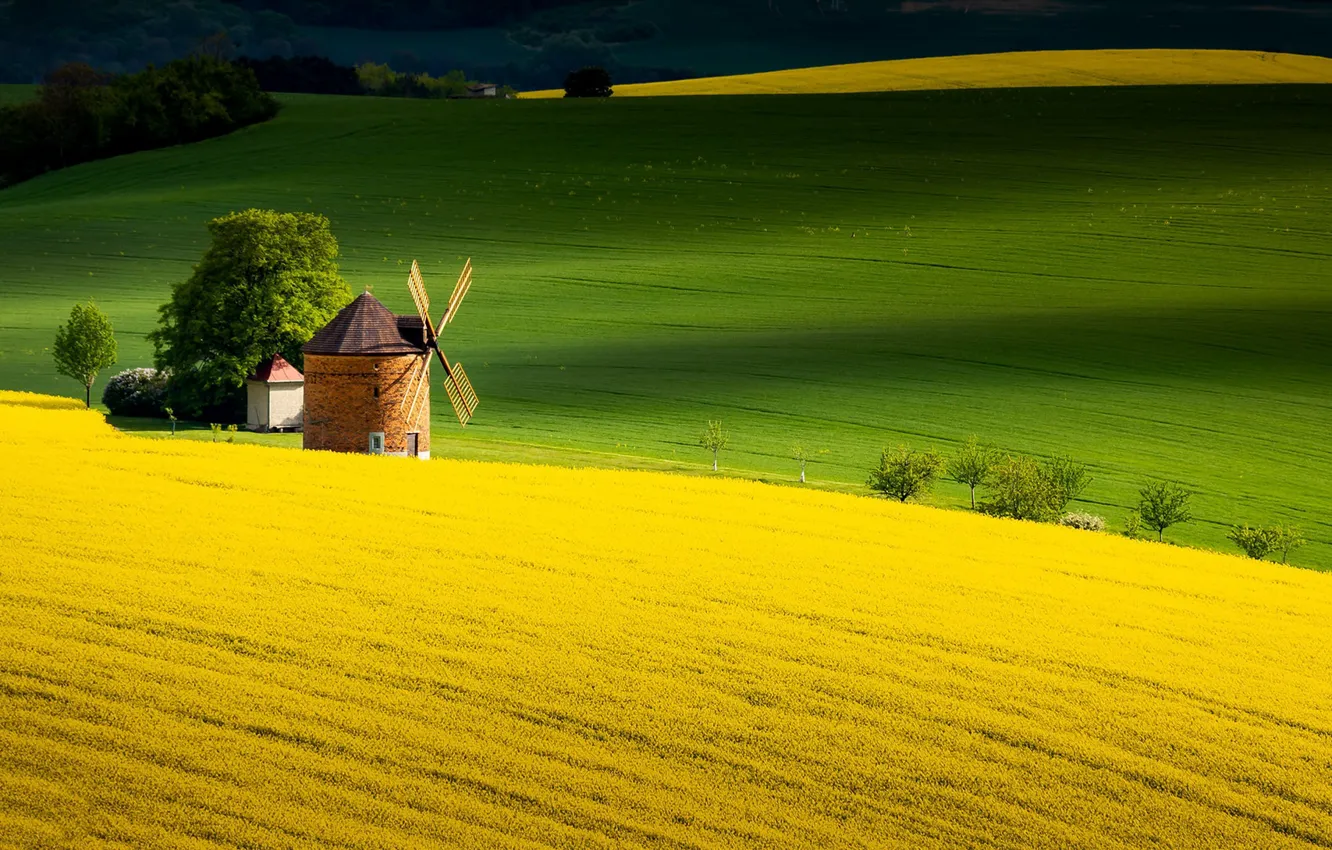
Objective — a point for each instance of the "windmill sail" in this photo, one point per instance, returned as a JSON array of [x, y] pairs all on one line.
[[459, 291], [460, 393], [420, 380], [456, 385]]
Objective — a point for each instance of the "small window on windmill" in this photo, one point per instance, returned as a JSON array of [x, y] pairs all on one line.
[[376, 392], [377, 443]]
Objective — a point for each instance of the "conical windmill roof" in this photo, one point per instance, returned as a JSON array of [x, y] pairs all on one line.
[[364, 326]]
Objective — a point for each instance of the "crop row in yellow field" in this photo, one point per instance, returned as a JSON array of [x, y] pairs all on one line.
[[1052, 68], [212, 645]]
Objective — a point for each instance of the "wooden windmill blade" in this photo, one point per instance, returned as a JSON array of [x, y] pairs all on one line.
[[459, 291], [459, 390], [416, 286], [461, 395], [417, 389]]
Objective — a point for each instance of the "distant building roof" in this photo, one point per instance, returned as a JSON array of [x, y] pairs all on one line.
[[276, 370], [481, 86], [364, 327]]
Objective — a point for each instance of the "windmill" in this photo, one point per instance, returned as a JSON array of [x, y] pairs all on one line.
[[456, 386]]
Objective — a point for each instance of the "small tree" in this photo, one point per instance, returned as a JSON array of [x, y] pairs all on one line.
[[972, 465], [904, 473], [1286, 539], [84, 346], [1254, 542], [1020, 488], [801, 453], [1133, 524], [714, 439], [1068, 480], [171, 414], [591, 81], [1164, 504]]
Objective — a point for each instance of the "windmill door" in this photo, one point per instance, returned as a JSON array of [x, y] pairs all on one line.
[[411, 443]]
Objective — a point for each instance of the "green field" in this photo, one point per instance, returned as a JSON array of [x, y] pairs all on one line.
[[1138, 277], [15, 94]]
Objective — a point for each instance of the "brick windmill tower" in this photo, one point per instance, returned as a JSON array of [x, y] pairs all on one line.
[[367, 376]]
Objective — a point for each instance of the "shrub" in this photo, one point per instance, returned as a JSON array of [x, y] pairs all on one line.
[[137, 392], [1084, 521], [1019, 488], [1068, 480], [904, 473], [1254, 542], [1286, 539], [1133, 524], [588, 82]]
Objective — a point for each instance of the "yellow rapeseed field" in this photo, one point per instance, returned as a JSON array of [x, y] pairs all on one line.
[[212, 645], [1009, 70]]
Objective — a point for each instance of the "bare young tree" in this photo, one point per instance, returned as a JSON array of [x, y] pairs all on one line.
[[715, 439], [803, 454]]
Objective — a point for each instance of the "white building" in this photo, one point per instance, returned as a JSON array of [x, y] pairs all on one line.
[[275, 396]]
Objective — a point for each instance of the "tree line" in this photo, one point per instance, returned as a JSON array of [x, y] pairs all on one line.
[[320, 75], [82, 114], [1018, 486]]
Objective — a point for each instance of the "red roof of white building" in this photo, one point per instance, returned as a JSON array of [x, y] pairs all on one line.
[[276, 370]]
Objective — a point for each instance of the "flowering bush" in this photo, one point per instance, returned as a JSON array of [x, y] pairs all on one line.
[[1086, 522], [136, 392]]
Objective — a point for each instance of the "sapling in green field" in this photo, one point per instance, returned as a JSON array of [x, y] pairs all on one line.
[[972, 465], [803, 455], [714, 439], [1164, 504]]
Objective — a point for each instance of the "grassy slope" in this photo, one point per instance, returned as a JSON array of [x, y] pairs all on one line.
[[1134, 276], [15, 94], [255, 649], [1008, 70]]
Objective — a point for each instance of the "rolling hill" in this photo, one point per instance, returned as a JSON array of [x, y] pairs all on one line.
[[223, 645], [1040, 69], [1134, 276], [15, 94]]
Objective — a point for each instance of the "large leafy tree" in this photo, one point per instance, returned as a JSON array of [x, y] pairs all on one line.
[[84, 346], [266, 284]]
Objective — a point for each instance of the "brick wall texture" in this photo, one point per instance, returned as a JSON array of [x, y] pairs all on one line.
[[342, 408]]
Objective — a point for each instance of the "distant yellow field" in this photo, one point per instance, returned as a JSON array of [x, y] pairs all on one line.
[[1010, 70], [229, 646]]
